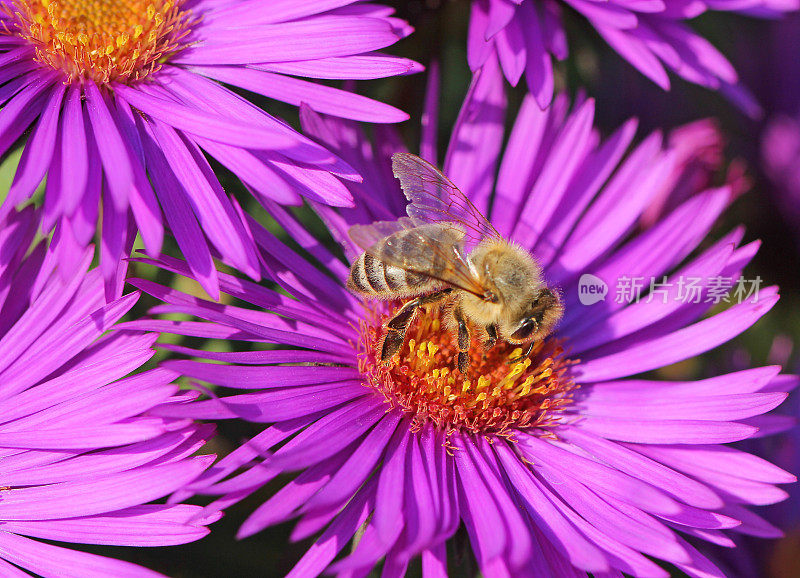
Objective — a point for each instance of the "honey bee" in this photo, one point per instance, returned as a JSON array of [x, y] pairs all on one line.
[[446, 251]]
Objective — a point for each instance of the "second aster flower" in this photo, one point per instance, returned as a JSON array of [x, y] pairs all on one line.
[[125, 97], [81, 455], [653, 36]]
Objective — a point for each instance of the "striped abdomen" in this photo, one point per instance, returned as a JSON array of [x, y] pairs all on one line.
[[372, 277]]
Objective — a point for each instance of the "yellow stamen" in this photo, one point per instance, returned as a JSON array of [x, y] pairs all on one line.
[[498, 396]]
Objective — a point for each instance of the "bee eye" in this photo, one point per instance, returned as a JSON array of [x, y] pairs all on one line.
[[527, 327]]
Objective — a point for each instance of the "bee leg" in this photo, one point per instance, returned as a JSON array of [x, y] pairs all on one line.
[[391, 344], [396, 330], [463, 342], [396, 327], [491, 331], [523, 356]]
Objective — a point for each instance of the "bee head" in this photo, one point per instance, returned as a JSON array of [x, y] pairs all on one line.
[[540, 317]]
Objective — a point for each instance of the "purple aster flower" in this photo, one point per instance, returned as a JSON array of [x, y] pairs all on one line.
[[698, 150], [82, 456], [559, 464], [780, 135], [780, 152], [129, 97], [652, 35]]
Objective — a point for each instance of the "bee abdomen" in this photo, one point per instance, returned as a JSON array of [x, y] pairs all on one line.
[[372, 276]]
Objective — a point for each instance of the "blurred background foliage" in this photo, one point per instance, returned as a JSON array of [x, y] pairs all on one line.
[[762, 51]]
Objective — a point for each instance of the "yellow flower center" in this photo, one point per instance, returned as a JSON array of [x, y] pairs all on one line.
[[104, 40], [500, 395]]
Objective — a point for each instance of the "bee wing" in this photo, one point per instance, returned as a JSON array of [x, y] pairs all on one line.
[[433, 250], [434, 199], [368, 236]]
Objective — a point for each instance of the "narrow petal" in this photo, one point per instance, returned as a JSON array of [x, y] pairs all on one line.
[[668, 432], [434, 562], [99, 495], [474, 149], [307, 241], [314, 184], [430, 118], [597, 166], [206, 96], [710, 408], [114, 246], [290, 497], [269, 376], [549, 521], [720, 459], [114, 152], [634, 529], [83, 220], [36, 320], [388, 517], [518, 549], [539, 65], [355, 67], [74, 154], [678, 345], [360, 463], [323, 99], [294, 402], [121, 531], [228, 13], [38, 150], [204, 124], [481, 514], [559, 167], [181, 219], [594, 474], [19, 112], [320, 37], [616, 455], [53, 561], [337, 429], [636, 52], [607, 219], [61, 345], [88, 437], [338, 534], [143, 201], [212, 208], [266, 182], [521, 152], [511, 51], [612, 15], [479, 48], [249, 450], [101, 462]]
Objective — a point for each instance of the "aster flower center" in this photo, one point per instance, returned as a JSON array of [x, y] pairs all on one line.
[[105, 40], [499, 396]]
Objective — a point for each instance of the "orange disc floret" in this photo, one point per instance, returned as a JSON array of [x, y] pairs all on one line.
[[105, 40], [502, 393]]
